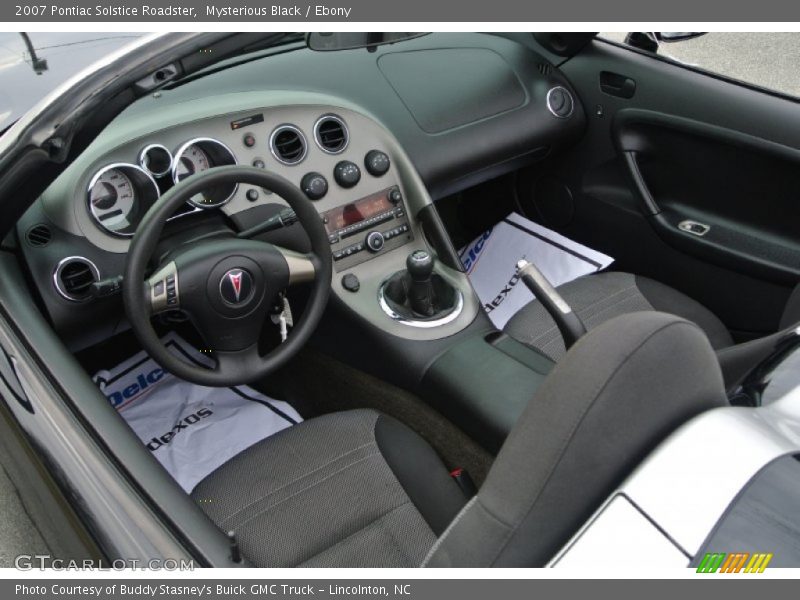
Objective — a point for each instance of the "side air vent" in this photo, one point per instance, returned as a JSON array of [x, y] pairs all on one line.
[[331, 134], [74, 276], [288, 144], [39, 235], [544, 68], [560, 102]]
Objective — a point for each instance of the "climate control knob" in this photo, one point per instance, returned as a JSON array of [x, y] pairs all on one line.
[[346, 173], [314, 185], [377, 163], [375, 241]]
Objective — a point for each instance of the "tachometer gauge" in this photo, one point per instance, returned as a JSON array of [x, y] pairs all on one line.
[[192, 160], [118, 196], [198, 155]]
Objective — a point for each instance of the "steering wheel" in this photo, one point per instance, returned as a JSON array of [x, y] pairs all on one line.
[[226, 285]]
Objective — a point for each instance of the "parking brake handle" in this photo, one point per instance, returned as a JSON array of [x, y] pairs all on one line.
[[568, 322]]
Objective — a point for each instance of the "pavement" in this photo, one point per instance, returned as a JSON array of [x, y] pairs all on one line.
[[767, 59], [18, 535]]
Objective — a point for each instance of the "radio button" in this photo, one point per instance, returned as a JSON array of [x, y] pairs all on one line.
[[351, 283], [375, 241]]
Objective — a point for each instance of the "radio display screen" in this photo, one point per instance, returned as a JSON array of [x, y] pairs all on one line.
[[360, 210]]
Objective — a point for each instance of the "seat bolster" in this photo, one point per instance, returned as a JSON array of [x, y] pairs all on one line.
[[666, 299], [420, 472]]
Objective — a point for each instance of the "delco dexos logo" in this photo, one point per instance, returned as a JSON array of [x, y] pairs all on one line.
[[156, 442], [140, 384], [472, 253]]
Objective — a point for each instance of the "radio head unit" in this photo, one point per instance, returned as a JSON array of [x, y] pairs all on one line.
[[367, 227]]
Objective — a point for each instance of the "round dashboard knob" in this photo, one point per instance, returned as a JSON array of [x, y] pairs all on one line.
[[395, 196], [314, 185], [377, 163], [346, 173], [375, 241]]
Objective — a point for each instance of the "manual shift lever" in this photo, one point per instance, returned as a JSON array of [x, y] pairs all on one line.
[[568, 322], [420, 267]]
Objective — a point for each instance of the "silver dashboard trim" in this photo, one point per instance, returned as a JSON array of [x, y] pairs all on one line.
[[448, 318]]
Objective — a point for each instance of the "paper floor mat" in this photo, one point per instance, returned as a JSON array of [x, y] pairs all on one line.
[[189, 428], [491, 259]]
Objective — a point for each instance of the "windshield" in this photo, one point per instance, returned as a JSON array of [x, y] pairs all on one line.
[[33, 64]]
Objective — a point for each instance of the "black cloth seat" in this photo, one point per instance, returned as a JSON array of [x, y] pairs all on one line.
[[349, 489], [359, 489], [599, 297]]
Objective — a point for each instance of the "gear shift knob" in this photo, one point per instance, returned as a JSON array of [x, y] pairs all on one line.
[[420, 266]]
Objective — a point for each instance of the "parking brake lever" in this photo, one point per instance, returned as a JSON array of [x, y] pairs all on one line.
[[568, 322]]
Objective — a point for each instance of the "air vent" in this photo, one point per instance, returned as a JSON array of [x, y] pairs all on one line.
[[544, 68], [288, 144], [39, 235], [74, 277], [560, 102], [331, 134]]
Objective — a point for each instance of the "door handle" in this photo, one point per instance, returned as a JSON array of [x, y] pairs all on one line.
[[617, 85]]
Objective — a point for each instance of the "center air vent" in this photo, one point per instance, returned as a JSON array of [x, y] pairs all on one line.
[[288, 144], [39, 235], [74, 277], [331, 134]]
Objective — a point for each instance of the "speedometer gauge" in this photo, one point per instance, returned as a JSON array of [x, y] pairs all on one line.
[[118, 196], [192, 160], [198, 155]]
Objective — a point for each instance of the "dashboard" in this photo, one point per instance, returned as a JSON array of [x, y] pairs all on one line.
[[370, 137]]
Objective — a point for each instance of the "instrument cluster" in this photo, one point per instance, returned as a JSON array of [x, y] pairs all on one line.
[[120, 194]]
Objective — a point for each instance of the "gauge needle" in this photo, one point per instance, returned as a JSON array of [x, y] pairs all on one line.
[[109, 215]]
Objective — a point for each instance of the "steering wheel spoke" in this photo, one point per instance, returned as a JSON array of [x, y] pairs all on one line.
[[163, 289], [238, 362], [302, 266]]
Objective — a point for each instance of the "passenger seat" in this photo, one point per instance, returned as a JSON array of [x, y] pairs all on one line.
[[599, 297]]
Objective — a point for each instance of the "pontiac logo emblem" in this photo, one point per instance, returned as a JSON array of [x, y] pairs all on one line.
[[236, 286], [236, 282]]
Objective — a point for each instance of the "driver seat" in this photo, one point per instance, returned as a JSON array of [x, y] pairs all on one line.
[[359, 489]]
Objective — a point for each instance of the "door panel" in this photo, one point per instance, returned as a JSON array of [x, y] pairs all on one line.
[[727, 197], [684, 146]]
